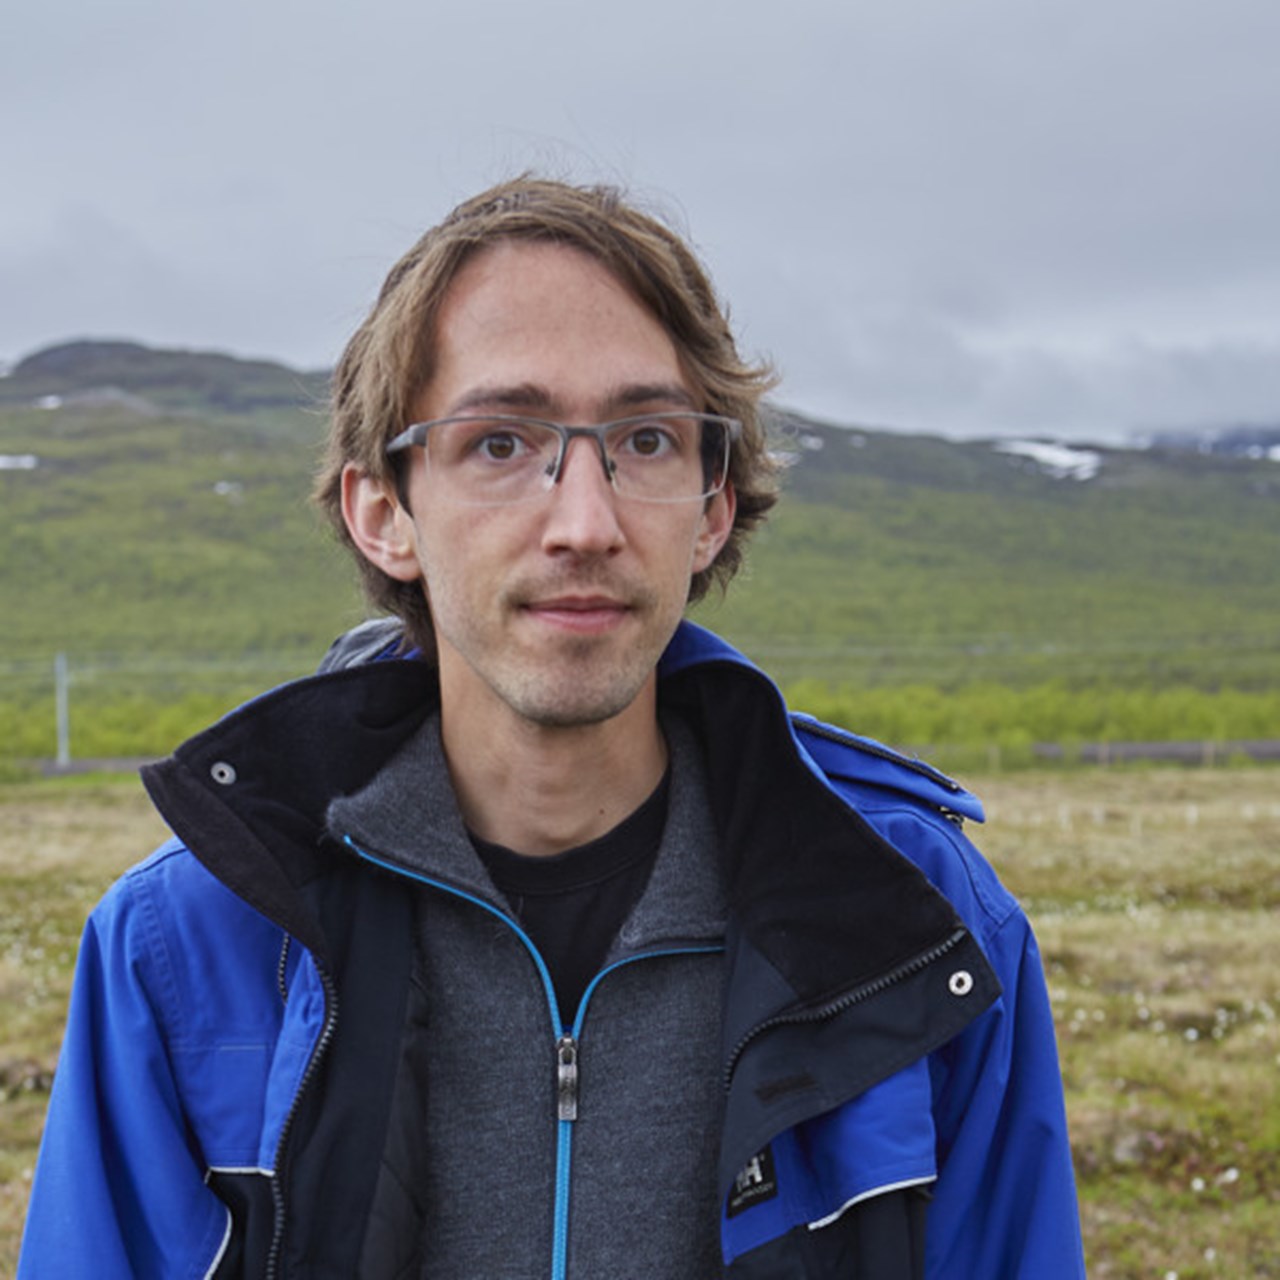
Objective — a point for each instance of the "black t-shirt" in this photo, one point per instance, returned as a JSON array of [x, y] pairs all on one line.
[[572, 904]]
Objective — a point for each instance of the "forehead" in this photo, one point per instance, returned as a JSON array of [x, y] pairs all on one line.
[[549, 318]]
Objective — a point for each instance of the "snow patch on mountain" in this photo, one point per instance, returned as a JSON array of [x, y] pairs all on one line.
[[1060, 461]]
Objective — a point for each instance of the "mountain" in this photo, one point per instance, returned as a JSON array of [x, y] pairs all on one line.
[[169, 516], [898, 558], [97, 372], [1237, 442]]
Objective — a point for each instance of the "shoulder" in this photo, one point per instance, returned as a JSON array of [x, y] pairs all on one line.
[[918, 810], [168, 927], [864, 761], [173, 881]]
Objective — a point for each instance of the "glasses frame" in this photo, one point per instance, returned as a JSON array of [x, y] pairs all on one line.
[[415, 436]]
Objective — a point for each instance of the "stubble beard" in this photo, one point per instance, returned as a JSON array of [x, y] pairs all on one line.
[[586, 681], [569, 681], [552, 709]]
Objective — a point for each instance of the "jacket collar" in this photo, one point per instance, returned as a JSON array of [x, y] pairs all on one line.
[[814, 889]]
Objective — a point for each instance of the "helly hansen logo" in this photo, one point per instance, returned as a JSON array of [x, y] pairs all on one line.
[[752, 1174], [756, 1182]]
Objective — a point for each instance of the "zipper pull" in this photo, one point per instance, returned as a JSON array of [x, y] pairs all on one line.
[[566, 1078]]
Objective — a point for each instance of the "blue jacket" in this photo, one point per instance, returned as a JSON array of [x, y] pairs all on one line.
[[893, 1104]]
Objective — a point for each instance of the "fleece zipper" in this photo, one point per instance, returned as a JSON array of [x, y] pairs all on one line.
[[566, 1040]]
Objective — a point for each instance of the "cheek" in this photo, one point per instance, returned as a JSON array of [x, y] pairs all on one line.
[[458, 554], [689, 552]]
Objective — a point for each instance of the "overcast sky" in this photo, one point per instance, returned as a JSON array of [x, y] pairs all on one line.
[[966, 216]]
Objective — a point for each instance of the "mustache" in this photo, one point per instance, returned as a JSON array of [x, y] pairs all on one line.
[[583, 580]]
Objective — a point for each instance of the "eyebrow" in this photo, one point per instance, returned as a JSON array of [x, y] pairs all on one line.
[[662, 392], [530, 397]]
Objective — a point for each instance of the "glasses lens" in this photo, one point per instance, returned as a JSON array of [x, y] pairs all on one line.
[[492, 460], [668, 457], [663, 457]]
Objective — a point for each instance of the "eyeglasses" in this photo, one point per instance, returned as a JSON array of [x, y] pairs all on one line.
[[494, 459]]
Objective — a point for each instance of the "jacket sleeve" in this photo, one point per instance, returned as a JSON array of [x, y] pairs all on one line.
[[119, 1187], [1005, 1202]]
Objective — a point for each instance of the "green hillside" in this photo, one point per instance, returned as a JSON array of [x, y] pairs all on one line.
[[169, 535], [154, 544], [917, 558]]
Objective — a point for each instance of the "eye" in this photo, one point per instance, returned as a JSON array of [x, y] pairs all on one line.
[[499, 441], [499, 446], [651, 439]]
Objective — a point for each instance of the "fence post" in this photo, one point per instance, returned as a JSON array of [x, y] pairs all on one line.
[[61, 681]]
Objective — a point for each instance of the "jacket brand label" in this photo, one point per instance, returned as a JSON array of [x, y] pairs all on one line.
[[756, 1182]]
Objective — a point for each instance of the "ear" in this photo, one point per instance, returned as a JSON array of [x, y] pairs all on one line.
[[717, 524], [379, 526]]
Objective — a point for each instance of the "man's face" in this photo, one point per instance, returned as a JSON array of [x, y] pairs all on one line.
[[556, 609]]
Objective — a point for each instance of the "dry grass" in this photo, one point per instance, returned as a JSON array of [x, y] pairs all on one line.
[[1156, 897]]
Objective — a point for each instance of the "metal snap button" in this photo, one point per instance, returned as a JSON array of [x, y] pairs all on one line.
[[960, 983], [223, 774]]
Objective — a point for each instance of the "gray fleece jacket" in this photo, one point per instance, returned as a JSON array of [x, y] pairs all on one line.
[[490, 1085]]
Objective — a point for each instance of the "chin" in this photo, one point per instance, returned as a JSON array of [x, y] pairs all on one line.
[[574, 707]]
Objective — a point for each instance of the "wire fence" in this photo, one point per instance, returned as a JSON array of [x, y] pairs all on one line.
[[68, 707], [67, 712]]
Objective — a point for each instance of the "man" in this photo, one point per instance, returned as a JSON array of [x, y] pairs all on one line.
[[533, 937]]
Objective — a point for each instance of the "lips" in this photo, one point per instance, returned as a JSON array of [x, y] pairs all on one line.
[[582, 614]]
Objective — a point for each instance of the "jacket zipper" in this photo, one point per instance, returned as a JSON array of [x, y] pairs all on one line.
[[567, 1079], [313, 1064], [566, 1042], [846, 1000]]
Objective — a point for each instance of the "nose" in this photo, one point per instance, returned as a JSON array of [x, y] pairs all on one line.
[[582, 516]]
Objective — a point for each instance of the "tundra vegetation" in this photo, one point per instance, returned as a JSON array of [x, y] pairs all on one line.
[[925, 592]]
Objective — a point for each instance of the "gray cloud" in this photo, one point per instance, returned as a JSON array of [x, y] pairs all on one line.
[[988, 216]]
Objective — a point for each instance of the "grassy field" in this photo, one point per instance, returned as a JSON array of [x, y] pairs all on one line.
[[904, 560], [1155, 894], [917, 589]]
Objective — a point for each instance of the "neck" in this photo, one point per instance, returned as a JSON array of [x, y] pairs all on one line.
[[542, 789]]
